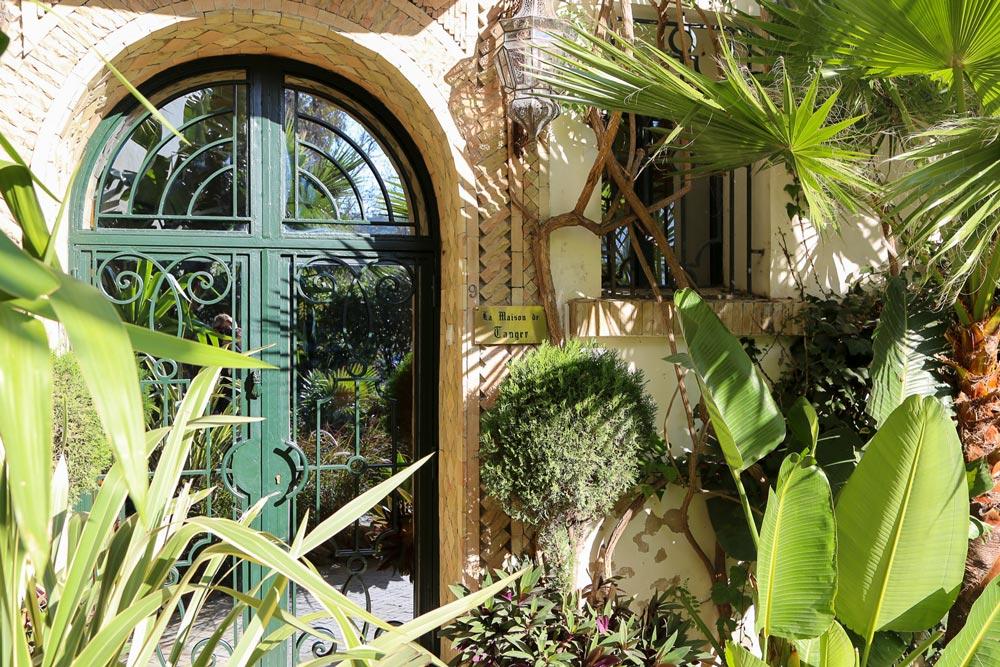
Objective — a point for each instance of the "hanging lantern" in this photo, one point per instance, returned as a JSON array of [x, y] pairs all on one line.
[[521, 56]]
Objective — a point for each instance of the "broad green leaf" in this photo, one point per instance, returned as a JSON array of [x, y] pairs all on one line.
[[831, 649], [23, 276], [978, 643], [4, 41], [803, 424], [108, 366], [902, 524], [737, 656], [837, 453], [922, 648], [18, 191], [887, 649], [745, 418], [979, 477], [26, 426], [731, 529], [904, 346], [797, 557]]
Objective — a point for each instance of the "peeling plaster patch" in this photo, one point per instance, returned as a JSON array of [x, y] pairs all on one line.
[[663, 583], [661, 555], [625, 572], [640, 542]]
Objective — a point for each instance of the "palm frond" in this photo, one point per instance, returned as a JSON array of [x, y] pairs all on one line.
[[949, 198], [731, 123], [938, 39]]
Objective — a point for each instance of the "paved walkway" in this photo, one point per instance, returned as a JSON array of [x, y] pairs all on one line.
[[391, 599]]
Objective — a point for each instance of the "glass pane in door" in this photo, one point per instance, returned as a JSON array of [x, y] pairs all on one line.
[[352, 415]]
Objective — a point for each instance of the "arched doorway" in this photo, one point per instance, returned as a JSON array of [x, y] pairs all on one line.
[[294, 219]]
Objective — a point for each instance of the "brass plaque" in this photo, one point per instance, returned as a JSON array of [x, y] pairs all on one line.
[[511, 325]]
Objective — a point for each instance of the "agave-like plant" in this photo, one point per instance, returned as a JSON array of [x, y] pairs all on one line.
[[922, 75], [112, 588]]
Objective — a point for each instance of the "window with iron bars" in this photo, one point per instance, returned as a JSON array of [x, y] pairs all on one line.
[[709, 229]]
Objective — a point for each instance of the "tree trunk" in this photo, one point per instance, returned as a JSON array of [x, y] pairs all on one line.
[[977, 407]]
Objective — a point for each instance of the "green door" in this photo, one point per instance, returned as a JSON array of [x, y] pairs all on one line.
[[293, 222]]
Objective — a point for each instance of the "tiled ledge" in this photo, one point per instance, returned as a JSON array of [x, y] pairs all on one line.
[[744, 316]]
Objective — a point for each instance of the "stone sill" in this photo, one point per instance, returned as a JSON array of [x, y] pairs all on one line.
[[624, 318]]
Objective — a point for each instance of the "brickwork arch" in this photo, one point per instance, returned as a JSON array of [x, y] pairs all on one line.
[[53, 97]]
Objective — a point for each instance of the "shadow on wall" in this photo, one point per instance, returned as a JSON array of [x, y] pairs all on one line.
[[651, 557], [821, 261]]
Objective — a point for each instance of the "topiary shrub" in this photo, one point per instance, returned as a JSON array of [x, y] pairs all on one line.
[[76, 429], [562, 443]]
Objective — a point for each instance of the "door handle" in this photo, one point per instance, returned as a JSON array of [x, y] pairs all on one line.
[[252, 385]]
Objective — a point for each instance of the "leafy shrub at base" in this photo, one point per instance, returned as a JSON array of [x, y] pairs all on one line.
[[535, 622]]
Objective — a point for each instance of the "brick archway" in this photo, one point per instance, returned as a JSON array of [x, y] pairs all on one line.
[[391, 48]]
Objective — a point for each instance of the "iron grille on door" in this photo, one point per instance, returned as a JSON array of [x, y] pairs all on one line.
[[289, 219]]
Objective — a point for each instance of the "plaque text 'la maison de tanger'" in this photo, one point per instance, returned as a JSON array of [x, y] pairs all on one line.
[[511, 325]]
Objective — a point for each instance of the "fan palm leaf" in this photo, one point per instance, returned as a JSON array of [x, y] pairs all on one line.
[[730, 123], [955, 42], [950, 196]]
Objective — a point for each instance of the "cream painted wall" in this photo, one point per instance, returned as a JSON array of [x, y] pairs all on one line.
[[576, 253], [651, 556], [797, 254]]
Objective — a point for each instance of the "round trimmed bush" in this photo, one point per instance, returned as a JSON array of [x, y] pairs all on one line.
[[562, 442]]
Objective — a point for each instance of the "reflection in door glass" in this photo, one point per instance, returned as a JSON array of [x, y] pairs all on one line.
[[157, 181], [353, 417]]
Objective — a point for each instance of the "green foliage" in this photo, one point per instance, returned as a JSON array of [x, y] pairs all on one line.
[[951, 199], [100, 588], [899, 532], [907, 340], [936, 66], [535, 623], [76, 428], [734, 120], [745, 418], [902, 524], [978, 643], [797, 559], [831, 649], [829, 364], [565, 437]]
